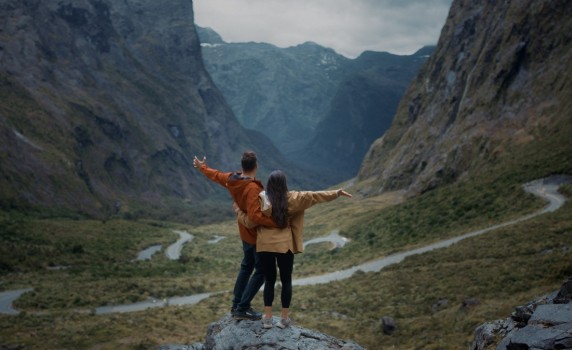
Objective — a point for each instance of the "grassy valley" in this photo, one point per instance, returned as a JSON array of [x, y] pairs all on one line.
[[96, 167], [76, 265], [502, 269]]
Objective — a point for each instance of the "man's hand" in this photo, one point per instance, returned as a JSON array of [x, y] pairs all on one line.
[[197, 163], [344, 193]]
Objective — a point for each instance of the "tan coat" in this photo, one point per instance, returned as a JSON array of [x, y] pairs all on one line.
[[290, 238]]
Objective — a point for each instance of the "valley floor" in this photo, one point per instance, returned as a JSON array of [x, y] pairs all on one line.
[[166, 279]]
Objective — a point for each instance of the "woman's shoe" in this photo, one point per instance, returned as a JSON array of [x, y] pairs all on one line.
[[267, 322], [283, 323]]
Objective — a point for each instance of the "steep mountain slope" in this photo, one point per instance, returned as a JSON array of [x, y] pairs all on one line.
[[321, 109], [104, 104], [496, 92], [361, 110], [280, 92]]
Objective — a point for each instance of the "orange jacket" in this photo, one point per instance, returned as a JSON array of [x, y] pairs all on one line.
[[244, 191], [282, 240]]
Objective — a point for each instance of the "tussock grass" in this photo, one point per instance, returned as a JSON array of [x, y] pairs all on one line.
[[102, 273], [502, 269]]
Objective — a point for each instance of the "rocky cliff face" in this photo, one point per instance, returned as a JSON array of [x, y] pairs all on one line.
[[228, 333], [498, 79], [318, 107], [104, 103], [282, 93], [361, 110]]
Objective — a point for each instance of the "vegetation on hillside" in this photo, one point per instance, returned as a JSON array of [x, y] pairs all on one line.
[[98, 270], [76, 265]]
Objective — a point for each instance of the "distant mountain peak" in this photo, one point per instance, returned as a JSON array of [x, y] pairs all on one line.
[[207, 36], [319, 107], [425, 51]]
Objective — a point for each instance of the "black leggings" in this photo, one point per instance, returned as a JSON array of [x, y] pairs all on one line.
[[285, 262]]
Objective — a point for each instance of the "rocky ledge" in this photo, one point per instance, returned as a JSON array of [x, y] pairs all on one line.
[[545, 323], [228, 334]]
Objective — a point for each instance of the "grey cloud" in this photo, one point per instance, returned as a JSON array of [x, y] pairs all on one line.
[[348, 26]]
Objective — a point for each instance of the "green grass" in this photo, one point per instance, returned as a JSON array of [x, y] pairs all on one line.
[[102, 273], [99, 255], [502, 269]]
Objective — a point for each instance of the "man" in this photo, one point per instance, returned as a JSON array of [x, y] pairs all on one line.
[[244, 190]]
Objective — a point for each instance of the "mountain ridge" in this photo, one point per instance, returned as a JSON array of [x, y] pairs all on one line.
[[104, 104], [491, 87], [320, 108]]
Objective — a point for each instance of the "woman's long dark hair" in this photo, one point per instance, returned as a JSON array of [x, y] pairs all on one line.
[[277, 191]]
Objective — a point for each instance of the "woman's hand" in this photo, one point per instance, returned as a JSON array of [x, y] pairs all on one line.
[[341, 192]]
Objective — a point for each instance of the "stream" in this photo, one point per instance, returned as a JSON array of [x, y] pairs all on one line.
[[334, 237], [546, 188]]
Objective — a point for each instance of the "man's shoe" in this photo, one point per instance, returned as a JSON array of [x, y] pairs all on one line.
[[256, 313], [232, 311], [249, 314]]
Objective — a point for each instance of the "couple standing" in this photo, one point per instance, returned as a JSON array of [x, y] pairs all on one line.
[[271, 225]]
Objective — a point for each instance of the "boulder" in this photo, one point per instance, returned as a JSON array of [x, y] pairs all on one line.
[[542, 324], [470, 302], [440, 304], [388, 325], [564, 295]]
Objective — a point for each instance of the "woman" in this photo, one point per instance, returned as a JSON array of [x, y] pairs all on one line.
[[278, 245]]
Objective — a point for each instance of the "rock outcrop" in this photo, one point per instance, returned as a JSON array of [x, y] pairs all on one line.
[[544, 324], [228, 334]]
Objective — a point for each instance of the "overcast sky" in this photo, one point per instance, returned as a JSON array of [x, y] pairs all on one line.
[[347, 26]]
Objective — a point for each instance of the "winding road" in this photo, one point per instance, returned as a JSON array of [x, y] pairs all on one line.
[[546, 188]]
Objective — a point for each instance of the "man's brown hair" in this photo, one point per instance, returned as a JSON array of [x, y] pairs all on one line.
[[248, 161]]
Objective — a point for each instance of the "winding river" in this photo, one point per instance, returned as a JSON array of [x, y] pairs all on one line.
[[334, 237], [6, 299], [546, 188], [173, 252]]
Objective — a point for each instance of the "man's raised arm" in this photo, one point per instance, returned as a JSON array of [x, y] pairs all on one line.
[[214, 175]]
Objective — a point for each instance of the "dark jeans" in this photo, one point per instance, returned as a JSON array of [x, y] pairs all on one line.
[[246, 287], [285, 263]]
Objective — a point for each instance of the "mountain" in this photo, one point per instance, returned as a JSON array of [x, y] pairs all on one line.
[[361, 110], [279, 92], [103, 106], [318, 107], [496, 92]]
